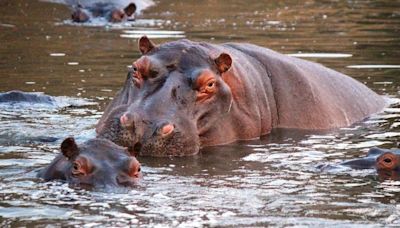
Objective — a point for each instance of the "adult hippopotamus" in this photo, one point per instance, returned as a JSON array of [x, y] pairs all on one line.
[[184, 95], [386, 162], [106, 10], [95, 163]]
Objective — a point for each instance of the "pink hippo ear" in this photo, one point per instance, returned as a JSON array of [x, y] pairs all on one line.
[[145, 45], [223, 62], [69, 148]]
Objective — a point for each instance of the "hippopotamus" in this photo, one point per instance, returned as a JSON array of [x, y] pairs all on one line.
[[95, 163], [386, 162], [15, 96], [181, 96], [106, 10]]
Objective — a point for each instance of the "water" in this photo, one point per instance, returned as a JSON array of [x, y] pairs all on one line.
[[272, 181]]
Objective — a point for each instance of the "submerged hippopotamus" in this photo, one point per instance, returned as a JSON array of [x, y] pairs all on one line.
[[16, 96], [183, 95], [386, 162], [106, 10], [95, 163]]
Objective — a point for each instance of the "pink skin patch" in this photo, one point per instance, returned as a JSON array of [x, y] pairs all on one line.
[[167, 130], [124, 120]]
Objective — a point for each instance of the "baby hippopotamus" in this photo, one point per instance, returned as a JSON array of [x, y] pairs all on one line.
[[103, 9], [386, 162], [94, 163]]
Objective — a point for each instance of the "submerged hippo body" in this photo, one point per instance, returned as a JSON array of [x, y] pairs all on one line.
[[16, 96], [95, 163], [386, 162], [185, 95], [107, 10]]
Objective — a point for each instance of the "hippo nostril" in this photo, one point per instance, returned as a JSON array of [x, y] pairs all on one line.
[[167, 130], [126, 120], [134, 168], [137, 147]]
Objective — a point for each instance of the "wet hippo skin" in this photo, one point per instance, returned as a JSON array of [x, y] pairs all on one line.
[[95, 163], [16, 96], [103, 9], [184, 95], [386, 162]]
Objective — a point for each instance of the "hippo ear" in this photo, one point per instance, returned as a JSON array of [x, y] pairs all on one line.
[[69, 148], [223, 62], [145, 45], [130, 9]]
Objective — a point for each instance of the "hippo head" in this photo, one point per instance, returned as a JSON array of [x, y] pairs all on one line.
[[83, 14], [80, 15], [118, 15], [95, 163], [180, 97], [386, 162]]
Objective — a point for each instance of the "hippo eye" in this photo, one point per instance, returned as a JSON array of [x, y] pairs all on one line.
[[171, 67], [387, 160], [76, 166], [210, 86], [81, 167], [153, 73], [76, 169]]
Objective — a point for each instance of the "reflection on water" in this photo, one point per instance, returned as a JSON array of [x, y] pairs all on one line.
[[152, 34], [273, 181], [321, 55], [103, 22], [373, 66]]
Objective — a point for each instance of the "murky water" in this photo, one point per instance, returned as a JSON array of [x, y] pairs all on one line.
[[272, 181]]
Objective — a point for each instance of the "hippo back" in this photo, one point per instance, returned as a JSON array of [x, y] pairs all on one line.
[[309, 95], [19, 96]]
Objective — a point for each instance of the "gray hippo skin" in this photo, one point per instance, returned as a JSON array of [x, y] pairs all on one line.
[[182, 96], [103, 9], [16, 96], [386, 162], [96, 163]]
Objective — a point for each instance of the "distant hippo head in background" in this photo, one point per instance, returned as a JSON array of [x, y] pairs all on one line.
[[103, 9], [95, 163], [181, 96]]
